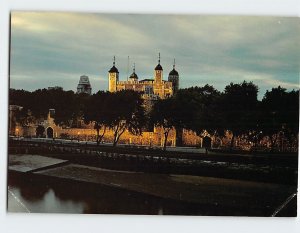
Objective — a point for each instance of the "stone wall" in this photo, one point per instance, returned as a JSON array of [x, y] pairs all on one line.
[[155, 138], [88, 133]]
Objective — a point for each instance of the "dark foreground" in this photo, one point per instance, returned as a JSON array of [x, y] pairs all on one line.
[[51, 195], [91, 183]]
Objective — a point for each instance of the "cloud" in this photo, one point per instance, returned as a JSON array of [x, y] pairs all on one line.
[[57, 47]]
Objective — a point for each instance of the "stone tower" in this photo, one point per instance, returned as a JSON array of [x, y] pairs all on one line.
[[158, 72], [84, 85], [174, 78], [113, 78]]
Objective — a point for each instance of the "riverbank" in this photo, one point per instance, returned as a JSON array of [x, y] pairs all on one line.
[[271, 168]]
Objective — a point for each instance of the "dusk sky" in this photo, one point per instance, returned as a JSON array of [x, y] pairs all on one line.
[[55, 49]]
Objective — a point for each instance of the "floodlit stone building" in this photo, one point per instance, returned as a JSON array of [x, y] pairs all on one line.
[[48, 129], [150, 88]]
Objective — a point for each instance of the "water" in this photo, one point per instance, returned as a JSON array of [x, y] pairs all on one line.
[[33, 196], [48, 203]]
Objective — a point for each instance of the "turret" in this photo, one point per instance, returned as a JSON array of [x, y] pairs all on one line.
[[158, 72], [174, 78], [113, 77], [133, 77]]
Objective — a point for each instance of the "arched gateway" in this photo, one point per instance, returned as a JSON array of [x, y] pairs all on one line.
[[49, 132]]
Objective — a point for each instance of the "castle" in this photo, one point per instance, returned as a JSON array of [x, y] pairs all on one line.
[[150, 88]]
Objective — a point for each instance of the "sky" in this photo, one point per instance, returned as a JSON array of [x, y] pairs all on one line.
[[56, 48]]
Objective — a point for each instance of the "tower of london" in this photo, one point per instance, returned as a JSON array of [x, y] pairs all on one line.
[[150, 88]]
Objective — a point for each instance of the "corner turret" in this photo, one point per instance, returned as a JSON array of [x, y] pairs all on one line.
[[113, 77], [174, 78]]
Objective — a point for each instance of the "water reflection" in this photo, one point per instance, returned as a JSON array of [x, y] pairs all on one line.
[[47, 203], [65, 197]]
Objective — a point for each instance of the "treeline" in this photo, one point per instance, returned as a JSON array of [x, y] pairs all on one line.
[[118, 111], [236, 110]]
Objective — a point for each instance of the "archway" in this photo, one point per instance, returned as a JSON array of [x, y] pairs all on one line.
[[49, 132], [40, 130], [206, 143]]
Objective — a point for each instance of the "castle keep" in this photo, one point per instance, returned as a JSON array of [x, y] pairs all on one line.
[[150, 88]]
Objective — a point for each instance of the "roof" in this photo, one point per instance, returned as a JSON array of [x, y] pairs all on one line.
[[173, 72], [158, 67], [113, 70], [147, 80], [134, 76]]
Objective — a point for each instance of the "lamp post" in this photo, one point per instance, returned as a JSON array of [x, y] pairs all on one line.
[[18, 139], [78, 135], [150, 137]]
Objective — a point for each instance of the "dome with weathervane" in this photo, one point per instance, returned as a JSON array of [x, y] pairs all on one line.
[[173, 72], [133, 76], [114, 68], [158, 67]]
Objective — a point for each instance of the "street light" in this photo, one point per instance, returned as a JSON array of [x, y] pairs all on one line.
[[17, 130], [78, 133], [150, 137]]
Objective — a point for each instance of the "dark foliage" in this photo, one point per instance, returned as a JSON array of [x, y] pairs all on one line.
[[237, 109]]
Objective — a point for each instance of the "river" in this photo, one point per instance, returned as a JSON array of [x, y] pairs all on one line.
[[27, 195]]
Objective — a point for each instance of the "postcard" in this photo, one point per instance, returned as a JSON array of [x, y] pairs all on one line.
[[153, 114]]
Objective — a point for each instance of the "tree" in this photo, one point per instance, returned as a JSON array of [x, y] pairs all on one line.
[[162, 115], [207, 115], [126, 112], [20, 97], [40, 130], [279, 114], [66, 104], [25, 117], [185, 105], [238, 107], [197, 110], [97, 111]]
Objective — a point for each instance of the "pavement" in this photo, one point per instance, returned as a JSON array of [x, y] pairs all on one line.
[[30, 163]]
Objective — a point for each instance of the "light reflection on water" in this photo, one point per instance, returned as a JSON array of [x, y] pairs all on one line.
[[48, 203], [27, 195]]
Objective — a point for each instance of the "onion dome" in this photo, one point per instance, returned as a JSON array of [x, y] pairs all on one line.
[[173, 72], [113, 69], [158, 67], [133, 75]]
